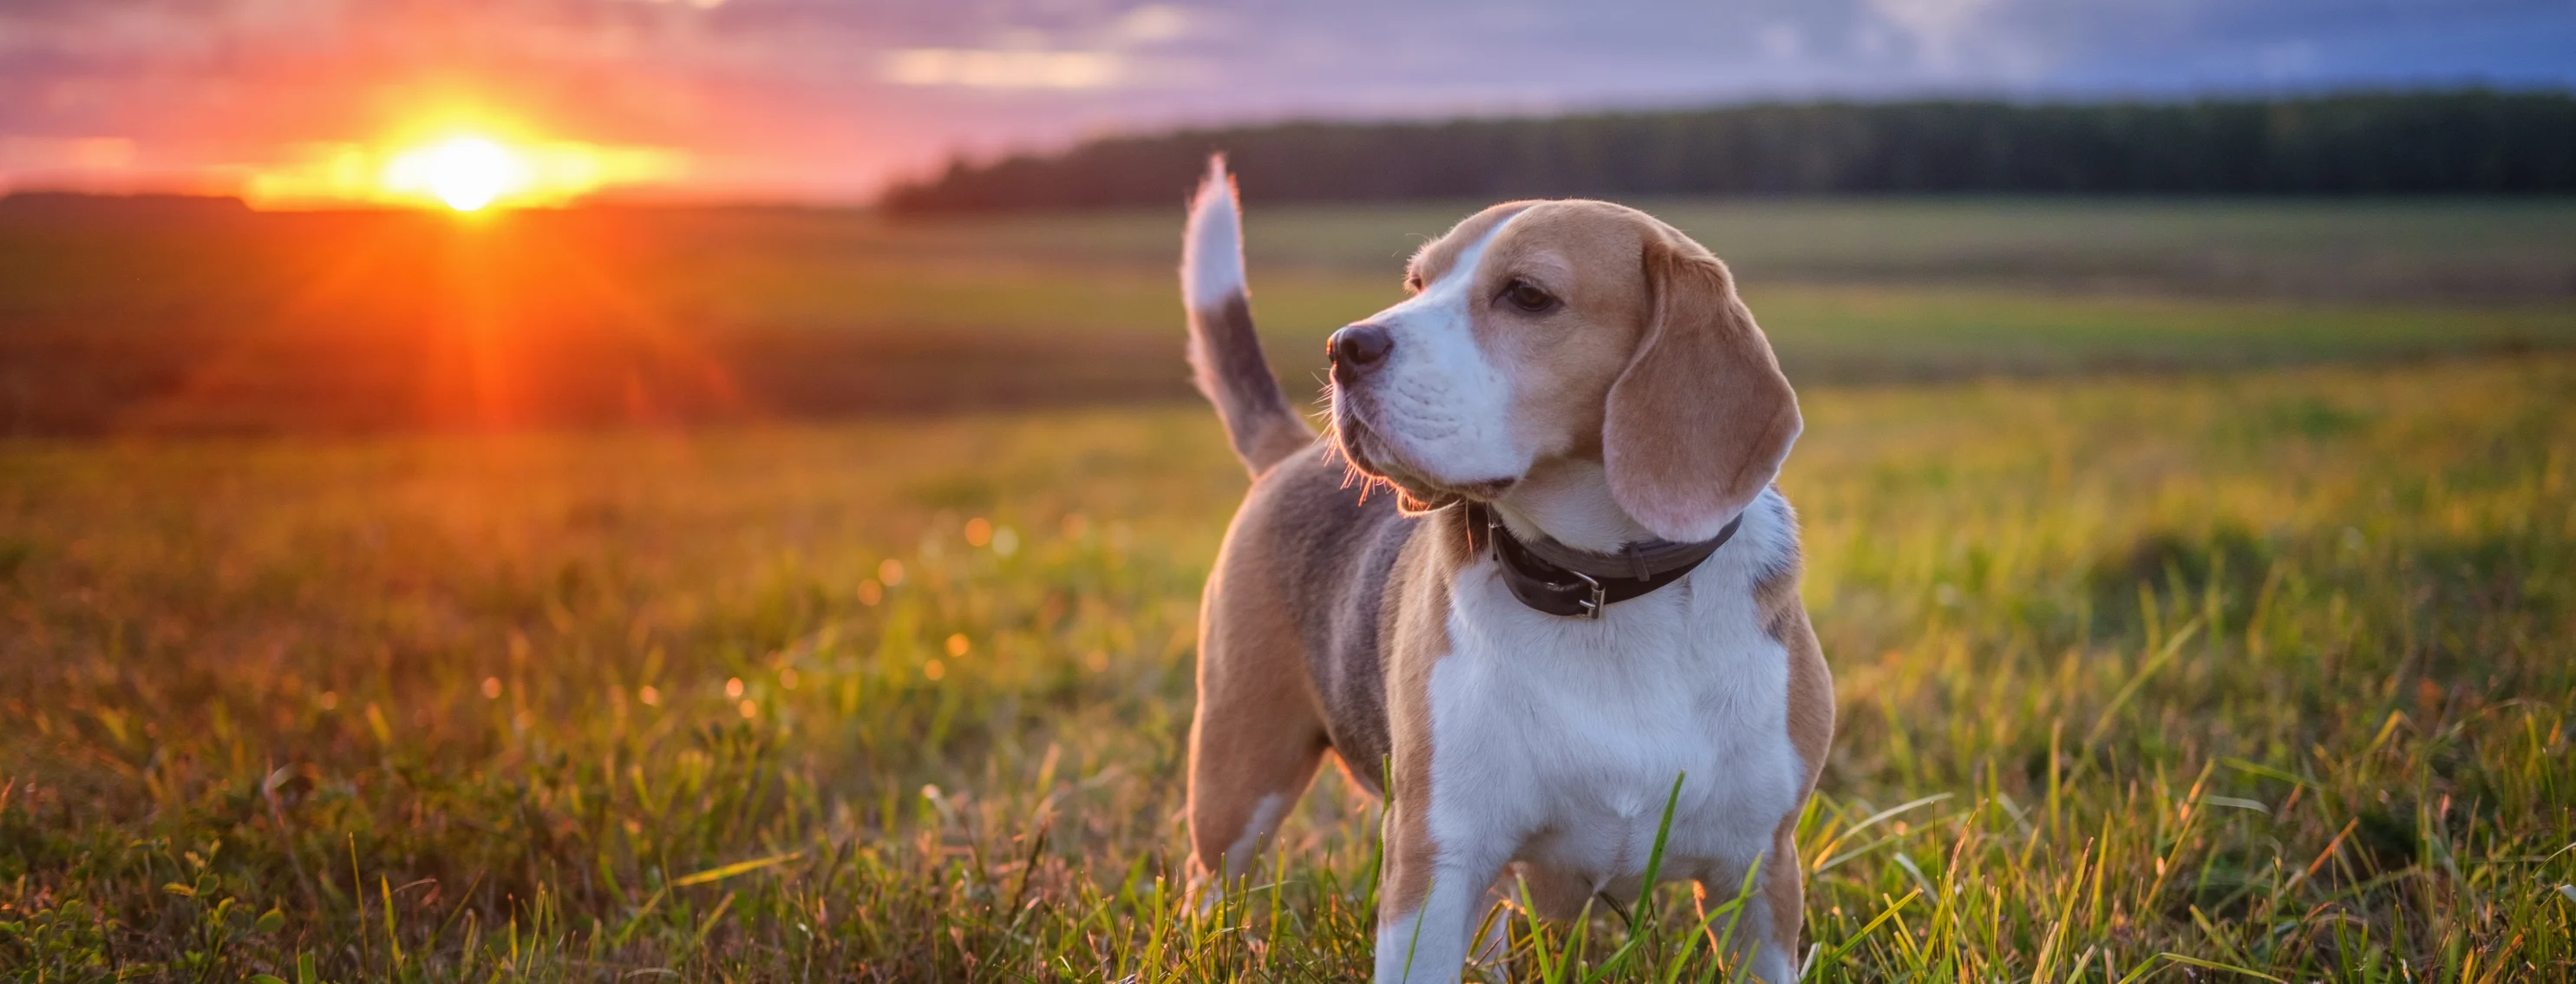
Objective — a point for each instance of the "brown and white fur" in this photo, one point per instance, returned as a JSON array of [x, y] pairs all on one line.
[[1638, 402]]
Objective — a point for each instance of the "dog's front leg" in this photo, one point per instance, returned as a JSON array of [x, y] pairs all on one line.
[[1430, 899], [1756, 947], [1764, 935]]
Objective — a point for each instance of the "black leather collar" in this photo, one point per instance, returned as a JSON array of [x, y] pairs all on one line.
[[1557, 579]]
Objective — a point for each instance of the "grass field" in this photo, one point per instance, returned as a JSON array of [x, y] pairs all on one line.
[[204, 321], [2197, 576], [2138, 679]]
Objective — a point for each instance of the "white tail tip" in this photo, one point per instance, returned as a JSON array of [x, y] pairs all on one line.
[[1212, 255]]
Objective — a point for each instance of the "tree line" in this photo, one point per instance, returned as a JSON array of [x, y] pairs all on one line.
[[2469, 141]]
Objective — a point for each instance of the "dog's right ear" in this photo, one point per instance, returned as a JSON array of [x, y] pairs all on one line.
[[1700, 421]]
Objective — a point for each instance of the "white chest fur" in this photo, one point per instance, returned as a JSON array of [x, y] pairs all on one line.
[[1559, 740], [1555, 743]]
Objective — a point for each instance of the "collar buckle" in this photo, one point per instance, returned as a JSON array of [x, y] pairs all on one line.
[[1597, 597]]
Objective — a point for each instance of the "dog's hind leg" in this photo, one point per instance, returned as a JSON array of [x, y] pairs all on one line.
[[1258, 735], [1250, 759]]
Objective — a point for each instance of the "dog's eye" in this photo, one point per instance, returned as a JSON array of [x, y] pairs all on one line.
[[1412, 282], [1528, 296]]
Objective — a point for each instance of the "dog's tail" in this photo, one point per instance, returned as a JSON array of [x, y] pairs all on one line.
[[1225, 354]]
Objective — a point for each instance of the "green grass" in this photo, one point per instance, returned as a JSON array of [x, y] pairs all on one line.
[[2136, 678], [373, 322], [2418, 248]]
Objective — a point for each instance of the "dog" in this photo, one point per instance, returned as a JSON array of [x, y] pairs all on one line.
[[1578, 605]]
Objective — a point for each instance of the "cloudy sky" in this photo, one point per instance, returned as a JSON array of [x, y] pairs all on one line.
[[831, 98]]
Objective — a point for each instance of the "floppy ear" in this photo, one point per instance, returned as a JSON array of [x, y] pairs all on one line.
[[1701, 419]]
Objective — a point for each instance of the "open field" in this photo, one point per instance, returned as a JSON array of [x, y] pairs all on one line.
[[2137, 677], [213, 321]]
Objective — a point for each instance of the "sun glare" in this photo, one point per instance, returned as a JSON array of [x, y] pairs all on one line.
[[466, 172], [474, 167]]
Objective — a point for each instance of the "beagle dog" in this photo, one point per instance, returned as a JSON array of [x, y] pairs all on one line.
[[1579, 603]]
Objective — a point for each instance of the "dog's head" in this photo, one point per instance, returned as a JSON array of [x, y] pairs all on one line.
[[1567, 330]]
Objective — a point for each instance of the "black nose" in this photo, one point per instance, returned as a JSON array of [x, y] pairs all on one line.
[[1357, 348]]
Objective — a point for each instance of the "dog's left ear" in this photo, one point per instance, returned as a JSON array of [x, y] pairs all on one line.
[[1701, 419]]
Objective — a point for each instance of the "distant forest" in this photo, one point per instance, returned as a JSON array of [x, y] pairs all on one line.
[[2472, 141]]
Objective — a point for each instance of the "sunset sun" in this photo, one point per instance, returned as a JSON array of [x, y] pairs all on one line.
[[459, 159], [465, 172]]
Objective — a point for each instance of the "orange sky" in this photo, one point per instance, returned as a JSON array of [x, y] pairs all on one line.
[[829, 99]]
